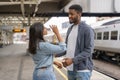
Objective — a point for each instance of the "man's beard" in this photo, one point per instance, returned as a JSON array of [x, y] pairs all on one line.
[[71, 22]]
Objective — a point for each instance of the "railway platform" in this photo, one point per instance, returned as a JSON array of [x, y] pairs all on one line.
[[15, 64]]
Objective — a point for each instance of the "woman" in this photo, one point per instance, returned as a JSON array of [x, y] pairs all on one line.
[[43, 52]]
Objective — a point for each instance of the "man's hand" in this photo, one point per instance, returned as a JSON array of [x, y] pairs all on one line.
[[67, 61]]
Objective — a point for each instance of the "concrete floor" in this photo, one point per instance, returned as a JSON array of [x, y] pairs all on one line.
[[16, 65]]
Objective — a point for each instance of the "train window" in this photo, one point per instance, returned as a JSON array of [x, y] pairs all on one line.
[[114, 35], [106, 36], [119, 36], [99, 36], [95, 36]]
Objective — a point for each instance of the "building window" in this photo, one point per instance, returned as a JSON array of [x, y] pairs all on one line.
[[114, 35], [99, 36], [106, 36]]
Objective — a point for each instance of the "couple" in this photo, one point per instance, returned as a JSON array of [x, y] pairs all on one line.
[[80, 45]]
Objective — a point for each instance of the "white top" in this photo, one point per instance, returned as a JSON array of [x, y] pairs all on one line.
[[71, 44]]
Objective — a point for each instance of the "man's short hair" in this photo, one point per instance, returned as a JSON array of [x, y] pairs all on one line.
[[76, 7]]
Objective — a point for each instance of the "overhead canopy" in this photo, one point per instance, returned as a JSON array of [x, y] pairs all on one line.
[[31, 7], [26, 12]]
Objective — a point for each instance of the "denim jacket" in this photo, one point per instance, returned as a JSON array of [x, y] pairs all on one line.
[[45, 53]]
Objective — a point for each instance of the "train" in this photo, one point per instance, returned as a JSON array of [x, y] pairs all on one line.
[[107, 40]]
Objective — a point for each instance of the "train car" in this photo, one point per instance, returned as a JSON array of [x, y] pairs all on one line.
[[107, 40], [5, 38]]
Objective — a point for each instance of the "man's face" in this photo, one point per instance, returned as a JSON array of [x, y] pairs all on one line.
[[74, 16]]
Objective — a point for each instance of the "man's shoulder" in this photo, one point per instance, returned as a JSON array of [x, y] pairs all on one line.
[[84, 25], [85, 28]]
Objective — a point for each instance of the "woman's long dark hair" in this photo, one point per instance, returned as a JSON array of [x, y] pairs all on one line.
[[35, 36]]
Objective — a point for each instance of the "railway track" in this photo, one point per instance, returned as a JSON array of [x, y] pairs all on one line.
[[107, 68]]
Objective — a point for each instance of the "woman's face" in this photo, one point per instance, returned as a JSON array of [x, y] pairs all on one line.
[[45, 31]]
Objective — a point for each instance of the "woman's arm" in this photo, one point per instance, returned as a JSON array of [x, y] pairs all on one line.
[[56, 31]]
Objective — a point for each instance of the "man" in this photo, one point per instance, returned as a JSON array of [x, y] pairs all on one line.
[[80, 45]]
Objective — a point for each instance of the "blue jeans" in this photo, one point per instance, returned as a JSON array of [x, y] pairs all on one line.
[[72, 75], [44, 74]]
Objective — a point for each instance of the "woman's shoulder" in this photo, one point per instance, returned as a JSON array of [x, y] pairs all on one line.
[[44, 44]]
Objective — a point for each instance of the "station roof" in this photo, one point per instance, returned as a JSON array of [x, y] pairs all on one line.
[[16, 12], [31, 7], [26, 12]]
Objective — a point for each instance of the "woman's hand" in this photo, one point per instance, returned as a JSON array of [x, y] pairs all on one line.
[[54, 29], [58, 64]]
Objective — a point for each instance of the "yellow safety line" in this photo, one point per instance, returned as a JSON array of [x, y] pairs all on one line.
[[63, 75], [64, 68]]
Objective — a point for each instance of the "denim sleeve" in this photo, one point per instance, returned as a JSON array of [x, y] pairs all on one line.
[[55, 49]]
